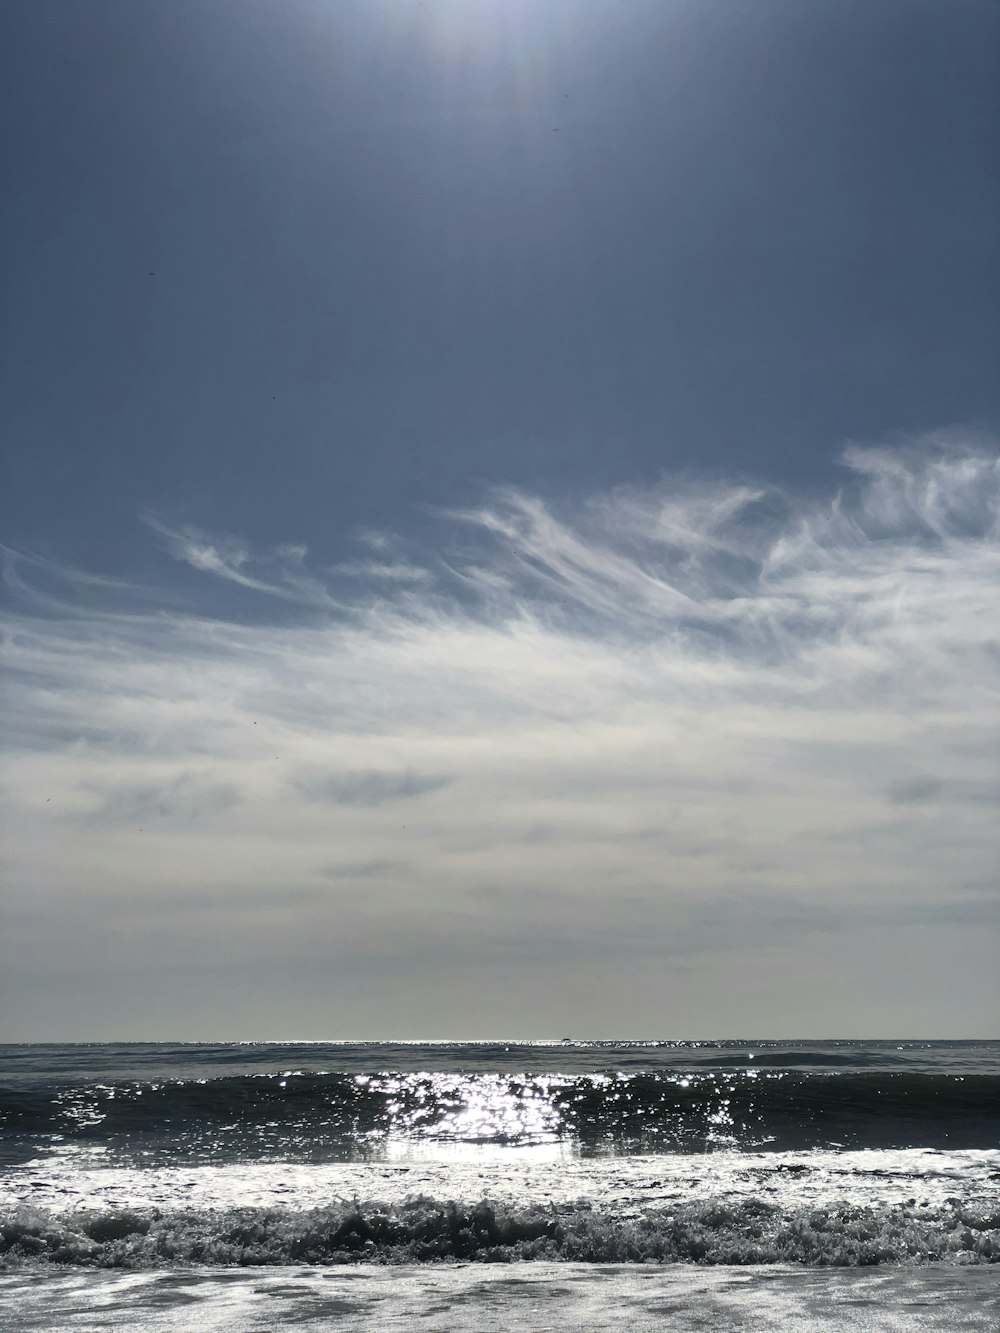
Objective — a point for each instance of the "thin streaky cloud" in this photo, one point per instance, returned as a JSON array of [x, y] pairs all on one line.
[[369, 787], [633, 712], [228, 558]]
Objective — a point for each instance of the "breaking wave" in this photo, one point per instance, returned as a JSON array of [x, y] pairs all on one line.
[[423, 1230]]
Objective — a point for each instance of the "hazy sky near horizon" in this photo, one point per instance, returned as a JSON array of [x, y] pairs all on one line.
[[500, 518]]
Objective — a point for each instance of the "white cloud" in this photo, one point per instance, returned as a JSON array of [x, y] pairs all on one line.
[[281, 573], [683, 722]]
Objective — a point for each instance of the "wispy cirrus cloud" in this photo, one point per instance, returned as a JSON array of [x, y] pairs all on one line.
[[279, 573], [621, 720]]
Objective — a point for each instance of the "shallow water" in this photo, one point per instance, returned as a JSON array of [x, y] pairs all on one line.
[[475, 1298]]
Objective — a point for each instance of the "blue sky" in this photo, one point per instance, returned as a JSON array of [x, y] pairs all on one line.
[[500, 499]]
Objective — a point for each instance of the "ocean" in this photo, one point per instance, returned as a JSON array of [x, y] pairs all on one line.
[[742, 1184]]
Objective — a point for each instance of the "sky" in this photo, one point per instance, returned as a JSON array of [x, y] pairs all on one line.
[[500, 513]]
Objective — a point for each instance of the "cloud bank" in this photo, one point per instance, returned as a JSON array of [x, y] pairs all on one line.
[[697, 757]]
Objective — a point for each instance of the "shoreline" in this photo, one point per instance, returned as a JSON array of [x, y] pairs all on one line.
[[483, 1298]]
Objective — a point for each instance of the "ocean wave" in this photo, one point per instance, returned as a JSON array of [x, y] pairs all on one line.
[[312, 1116], [424, 1230]]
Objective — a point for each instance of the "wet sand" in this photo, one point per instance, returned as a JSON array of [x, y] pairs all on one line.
[[478, 1298]]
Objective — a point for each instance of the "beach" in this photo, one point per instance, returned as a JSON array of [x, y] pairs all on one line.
[[476, 1298]]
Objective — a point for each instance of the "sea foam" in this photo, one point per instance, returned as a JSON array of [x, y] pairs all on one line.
[[751, 1230]]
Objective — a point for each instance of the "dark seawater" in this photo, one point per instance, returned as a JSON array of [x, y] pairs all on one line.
[[816, 1153]]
